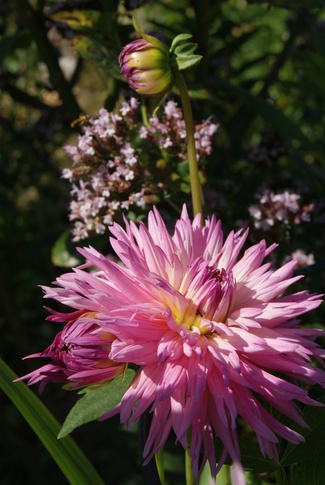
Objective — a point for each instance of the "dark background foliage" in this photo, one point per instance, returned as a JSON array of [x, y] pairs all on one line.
[[262, 78]]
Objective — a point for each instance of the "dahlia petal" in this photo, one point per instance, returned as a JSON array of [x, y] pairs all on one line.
[[214, 239], [244, 323], [245, 341], [172, 377], [218, 327], [237, 474], [158, 433], [154, 256], [142, 386], [224, 401], [177, 404], [227, 435], [192, 409], [227, 252], [160, 235], [145, 353], [252, 412], [112, 412], [197, 379], [251, 260], [266, 294]]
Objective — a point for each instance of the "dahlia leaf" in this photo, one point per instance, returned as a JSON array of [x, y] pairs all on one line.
[[268, 111], [186, 49], [70, 459], [187, 61], [252, 458], [178, 39], [310, 472], [64, 253], [95, 403], [294, 4], [314, 444]]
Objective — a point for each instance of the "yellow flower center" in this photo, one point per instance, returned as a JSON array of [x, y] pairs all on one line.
[[189, 319]]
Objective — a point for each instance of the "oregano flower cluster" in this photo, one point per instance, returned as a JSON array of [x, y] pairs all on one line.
[[117, 164]]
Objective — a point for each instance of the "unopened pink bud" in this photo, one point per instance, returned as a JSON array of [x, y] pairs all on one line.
[[145, 65]]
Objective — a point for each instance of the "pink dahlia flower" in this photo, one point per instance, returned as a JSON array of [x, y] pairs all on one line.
[[211, 332]]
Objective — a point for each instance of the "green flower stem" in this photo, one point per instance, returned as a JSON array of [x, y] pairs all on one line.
[[281, 477], [188, 470], [144, 113], [188, 461], [278, 475], [191, 152], [223, 476], [160, 465]]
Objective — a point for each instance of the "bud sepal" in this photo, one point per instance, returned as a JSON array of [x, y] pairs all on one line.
[[183, 53]]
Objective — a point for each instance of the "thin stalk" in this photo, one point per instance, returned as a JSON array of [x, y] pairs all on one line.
[[144, 114], [278, 476], [281, 477], [160, 462], [197, 197], [188, 461], [188, 470], [223, 476]]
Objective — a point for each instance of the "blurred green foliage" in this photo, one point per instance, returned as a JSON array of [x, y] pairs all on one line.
[[262, 78]]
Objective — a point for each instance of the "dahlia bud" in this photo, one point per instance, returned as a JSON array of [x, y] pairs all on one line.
[[145, 65], [78, 355]]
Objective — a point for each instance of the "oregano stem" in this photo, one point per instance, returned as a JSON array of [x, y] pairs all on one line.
[[191, 152]]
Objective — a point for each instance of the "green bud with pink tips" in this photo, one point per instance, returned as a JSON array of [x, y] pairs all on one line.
[[148, 65]]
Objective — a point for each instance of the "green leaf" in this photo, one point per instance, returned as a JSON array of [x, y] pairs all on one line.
[[64, 254], [311, 471], [91, 21], [185, 62], [292, 3], [315, 417], [315, 68], [179, 38], [184, 56], [95, 403], [71, 460], [253, 459], [269, 112], [186, 49], [10, 42], [103, 54]]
